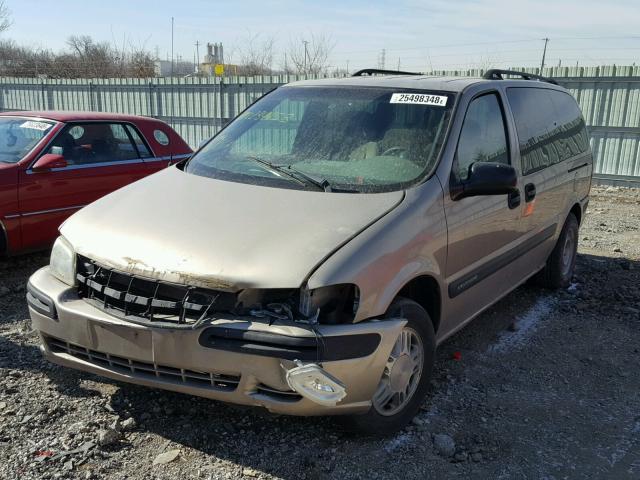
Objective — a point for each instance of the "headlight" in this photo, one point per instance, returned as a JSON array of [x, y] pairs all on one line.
[[63, 261]]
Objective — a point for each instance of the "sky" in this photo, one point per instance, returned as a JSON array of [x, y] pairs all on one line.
[[417, 35]]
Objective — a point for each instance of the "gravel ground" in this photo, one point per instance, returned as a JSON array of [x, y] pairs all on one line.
[[543, 385]]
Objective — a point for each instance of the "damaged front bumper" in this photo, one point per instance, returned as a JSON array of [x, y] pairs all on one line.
[[236, 360]]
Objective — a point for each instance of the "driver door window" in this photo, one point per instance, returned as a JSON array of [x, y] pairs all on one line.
[[483, 137], [95, 143]]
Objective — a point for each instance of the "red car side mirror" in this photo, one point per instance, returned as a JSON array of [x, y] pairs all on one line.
[[49, 161]]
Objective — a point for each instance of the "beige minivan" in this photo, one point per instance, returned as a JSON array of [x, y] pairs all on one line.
[[311, 256]]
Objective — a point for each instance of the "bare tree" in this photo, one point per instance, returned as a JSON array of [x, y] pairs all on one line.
[[85, 58], [256, 55], [5, 16], [310, 54]]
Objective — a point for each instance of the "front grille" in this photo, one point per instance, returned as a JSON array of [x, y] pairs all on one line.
[[143, 300], [192, 378]]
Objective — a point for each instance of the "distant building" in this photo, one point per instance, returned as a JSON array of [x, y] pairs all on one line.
[[163, 68], [213, 57], [215, 54]]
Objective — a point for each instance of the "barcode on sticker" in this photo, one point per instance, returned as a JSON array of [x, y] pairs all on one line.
[[35, 125], [419, 98]]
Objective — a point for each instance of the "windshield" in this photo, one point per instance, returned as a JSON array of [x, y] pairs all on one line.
[[336, 139], [19, 135]]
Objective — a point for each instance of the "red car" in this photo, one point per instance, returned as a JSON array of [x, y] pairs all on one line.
[[54, 163]]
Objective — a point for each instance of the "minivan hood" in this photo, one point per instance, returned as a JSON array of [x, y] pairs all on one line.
[[199, 231]]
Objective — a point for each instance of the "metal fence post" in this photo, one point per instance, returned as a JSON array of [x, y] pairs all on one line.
[[44, 95], [91, 105], [221, 89], [151, 109], [98, 98]]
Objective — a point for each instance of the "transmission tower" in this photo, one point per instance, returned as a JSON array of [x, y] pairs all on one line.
[[381, 59]]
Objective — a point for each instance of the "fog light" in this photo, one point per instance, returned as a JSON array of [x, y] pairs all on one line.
[[312, 382]]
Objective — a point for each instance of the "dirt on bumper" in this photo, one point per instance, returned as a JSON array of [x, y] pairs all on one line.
[[84, 337]]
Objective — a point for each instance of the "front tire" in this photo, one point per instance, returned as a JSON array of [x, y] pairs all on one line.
[[558, 271], [405, 380]]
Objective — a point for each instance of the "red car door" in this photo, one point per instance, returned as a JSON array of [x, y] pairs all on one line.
[[101, 157]]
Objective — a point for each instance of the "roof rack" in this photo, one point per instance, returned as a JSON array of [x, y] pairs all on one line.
[[496, 74], [374, 71]]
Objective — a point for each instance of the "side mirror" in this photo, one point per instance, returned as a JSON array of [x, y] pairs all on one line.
[[487, 179], [49, 161]]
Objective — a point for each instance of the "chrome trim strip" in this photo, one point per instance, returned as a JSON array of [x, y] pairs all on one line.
[[169, 157], [14, 215], [110, 164], [87, 165], [40, 212]]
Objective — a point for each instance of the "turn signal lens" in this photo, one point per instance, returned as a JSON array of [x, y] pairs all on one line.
[[312, 382]]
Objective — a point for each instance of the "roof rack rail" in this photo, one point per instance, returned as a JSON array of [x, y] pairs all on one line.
[[373, 71], [496, 74]]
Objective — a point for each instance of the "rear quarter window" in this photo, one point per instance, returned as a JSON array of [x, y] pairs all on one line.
[[161, 137], [549, 124]]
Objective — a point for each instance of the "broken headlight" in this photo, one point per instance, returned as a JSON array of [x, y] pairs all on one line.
[[329, 305], [333, 304]]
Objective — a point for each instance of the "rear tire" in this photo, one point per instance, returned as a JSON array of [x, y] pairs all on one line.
[[413, 352], [558, 271]]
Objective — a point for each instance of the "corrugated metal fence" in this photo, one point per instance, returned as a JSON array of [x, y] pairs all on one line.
[[198, 107]]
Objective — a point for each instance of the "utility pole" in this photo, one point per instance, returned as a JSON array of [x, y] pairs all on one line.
[[398, 63], [172, 62], [347, 68], [172, 46], [305, 55], [544, 54], [197, 52]]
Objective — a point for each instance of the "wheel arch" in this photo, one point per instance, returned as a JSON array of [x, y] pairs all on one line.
[[4, 240], [576, 209], [425, 290]]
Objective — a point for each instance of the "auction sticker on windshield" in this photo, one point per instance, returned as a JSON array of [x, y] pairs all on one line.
[[35, 125], [419, 98]]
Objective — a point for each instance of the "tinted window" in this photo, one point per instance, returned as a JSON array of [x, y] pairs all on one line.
[[88, 143], [549, 125], [483, 137], [571, 134]]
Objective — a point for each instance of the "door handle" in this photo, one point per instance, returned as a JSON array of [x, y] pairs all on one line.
[[514, 199], [529, 192]]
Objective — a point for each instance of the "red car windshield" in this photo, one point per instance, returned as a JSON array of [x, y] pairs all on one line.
[[19, 135]]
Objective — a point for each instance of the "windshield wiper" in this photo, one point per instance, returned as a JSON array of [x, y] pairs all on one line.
[[321, 184], [289, 172], [272, 167]]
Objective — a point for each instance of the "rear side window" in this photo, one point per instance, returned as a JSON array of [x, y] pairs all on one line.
[[550, 127], [483, 137]]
